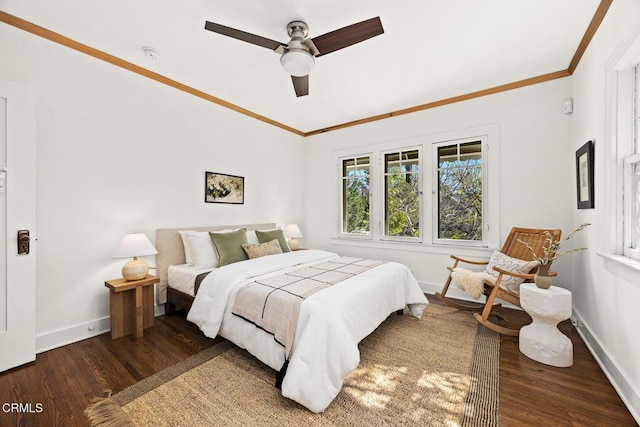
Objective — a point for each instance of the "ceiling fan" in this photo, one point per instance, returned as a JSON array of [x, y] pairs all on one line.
[[298, 55]]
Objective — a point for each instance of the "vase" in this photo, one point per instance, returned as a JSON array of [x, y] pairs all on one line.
[[542, 278]]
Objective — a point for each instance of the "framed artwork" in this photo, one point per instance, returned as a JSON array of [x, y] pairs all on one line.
[[222, 188], [584, 175]]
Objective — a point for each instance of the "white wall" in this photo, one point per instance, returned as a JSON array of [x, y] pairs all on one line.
[[606, 303], [536, 170], [119, 153], [537, 173]]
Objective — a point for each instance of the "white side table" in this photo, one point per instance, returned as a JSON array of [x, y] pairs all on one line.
[[542, 341]]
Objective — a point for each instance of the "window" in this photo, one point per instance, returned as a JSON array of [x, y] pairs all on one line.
[[355, 195], [632, 178], [459, 191], [402, 194], [382, 199]]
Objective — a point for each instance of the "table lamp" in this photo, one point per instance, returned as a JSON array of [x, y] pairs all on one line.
[[135, 245], [292, 231]]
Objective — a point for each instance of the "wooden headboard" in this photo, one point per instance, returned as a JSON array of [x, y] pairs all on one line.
[[171, 250]]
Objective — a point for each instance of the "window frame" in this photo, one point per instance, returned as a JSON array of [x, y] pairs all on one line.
[[629, 146], [383, 195], [623, 135], [629, 238], [619, 139], [491, 193], [341, 232], [435, 191]]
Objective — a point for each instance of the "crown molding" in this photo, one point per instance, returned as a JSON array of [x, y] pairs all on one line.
[[37, 30]]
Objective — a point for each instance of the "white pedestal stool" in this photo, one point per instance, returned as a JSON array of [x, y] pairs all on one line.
[[541, 340]]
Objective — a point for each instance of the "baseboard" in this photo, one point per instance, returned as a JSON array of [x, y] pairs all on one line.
[[452, 292], [629, 395], [64, 336]]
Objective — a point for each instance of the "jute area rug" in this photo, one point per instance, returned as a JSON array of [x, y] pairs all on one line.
[[438, 371]]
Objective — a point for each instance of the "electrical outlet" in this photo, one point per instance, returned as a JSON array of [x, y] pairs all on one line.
[[575, 322]]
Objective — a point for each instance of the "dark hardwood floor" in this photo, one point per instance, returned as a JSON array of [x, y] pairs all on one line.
[[61, 383], [534, 394]]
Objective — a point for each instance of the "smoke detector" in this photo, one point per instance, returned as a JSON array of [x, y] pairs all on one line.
[[151, 52]]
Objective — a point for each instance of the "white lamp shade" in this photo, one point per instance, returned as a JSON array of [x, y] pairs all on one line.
[[292, 231], [297, 62], [134, 245]]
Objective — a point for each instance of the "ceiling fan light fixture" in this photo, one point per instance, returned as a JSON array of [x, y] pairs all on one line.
[[297, 62], [298, 55]]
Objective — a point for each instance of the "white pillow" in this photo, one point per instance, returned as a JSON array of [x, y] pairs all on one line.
[[515, 265], [203, 255], [199, 250], [187, 248], [252, 238]]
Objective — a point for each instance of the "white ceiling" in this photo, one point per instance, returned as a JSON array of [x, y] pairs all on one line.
[[431, 49]]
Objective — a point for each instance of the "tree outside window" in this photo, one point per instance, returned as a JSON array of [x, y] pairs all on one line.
[[355, 195], [402, 194], [381, 191], [460, 191]]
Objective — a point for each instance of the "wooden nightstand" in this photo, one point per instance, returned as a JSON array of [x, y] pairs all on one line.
[[131, 305]]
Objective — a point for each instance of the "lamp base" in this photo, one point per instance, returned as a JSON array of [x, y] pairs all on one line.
[[294, 245], [136, 269]]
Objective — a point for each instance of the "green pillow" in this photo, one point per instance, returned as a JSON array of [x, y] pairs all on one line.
[[229, 246], [265, 236]]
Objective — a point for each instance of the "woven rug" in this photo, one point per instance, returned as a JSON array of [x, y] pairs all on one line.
[[438, 371]]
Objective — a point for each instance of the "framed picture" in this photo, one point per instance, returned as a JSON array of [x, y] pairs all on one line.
[[222, 188], [584, 175]]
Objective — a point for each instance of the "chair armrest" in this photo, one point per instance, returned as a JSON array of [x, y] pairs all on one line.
[[469, 261], [522, 276]]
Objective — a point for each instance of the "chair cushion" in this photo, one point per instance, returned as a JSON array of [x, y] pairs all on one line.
[[514, 265]]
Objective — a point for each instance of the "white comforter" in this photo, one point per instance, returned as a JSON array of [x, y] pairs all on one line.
[[331, 322]]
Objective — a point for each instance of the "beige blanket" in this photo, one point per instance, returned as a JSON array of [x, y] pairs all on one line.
[[273, 303]]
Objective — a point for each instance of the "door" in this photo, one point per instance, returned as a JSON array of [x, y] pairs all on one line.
[[17, 213]]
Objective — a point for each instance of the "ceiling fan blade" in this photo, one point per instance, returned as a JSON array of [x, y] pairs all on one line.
[[242, 35], [347, 36], [301, 85]]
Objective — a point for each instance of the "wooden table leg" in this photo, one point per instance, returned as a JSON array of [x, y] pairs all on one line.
[[119, 314], [139, 312], [132, 306]]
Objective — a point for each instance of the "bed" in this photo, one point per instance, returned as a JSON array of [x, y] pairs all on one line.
[[355, 297]]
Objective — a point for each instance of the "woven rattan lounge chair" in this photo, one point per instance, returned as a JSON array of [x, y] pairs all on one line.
[[513, 247]]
